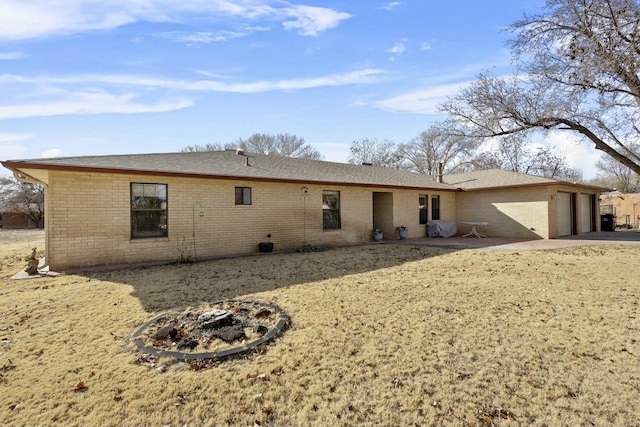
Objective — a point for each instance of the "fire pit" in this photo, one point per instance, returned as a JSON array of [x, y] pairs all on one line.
[[213, 331]]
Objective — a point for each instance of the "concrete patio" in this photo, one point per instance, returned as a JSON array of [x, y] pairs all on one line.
[[594, 238]]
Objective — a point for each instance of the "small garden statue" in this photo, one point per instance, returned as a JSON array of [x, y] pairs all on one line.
[[32, 263]]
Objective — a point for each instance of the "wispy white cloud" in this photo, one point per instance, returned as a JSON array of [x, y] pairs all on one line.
[[9, 56], [354, 77], [90, 103], [398, 48], [201, 37], [134, 94], [310, 20], [338, 79], [13, 137], [420, 101], [10, 147], [391, 6], [425, 46], [10, 151], [52, 152], [20, 19]]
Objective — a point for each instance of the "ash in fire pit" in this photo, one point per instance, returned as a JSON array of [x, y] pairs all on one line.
[[217, 331]]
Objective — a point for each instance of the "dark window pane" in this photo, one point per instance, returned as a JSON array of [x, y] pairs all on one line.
[[148, 224], [243, 195], [435, 207], [422, 203], [330, 209]]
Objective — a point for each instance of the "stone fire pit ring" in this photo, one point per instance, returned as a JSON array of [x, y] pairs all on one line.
[[143, 333]]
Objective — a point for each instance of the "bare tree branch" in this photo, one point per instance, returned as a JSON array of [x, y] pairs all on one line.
[[578, 70]]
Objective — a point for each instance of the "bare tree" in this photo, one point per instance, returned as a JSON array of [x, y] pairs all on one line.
[[620, 176], [517, 153], [544, 162], [208, 147], [372, 151], [282, 144], [19, 197], [578, 70], [441, 143]]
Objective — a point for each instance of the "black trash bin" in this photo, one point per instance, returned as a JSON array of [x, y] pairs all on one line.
[[607, 222]]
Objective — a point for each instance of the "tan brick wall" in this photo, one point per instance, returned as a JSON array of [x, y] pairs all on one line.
[[528, 212], [89, 218], [510, 213]]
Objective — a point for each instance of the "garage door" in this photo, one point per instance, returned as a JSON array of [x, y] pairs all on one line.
[[586, 213], [565, 217]]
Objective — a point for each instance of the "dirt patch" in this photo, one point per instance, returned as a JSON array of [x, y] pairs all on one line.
[[211, 332]]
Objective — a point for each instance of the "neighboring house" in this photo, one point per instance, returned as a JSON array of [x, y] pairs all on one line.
[[14, 219], [625, 208], [129, 209]]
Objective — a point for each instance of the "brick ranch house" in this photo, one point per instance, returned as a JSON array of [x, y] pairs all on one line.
[[129, 209]]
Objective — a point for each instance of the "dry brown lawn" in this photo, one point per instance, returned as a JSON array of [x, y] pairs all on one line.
[[390, 335]]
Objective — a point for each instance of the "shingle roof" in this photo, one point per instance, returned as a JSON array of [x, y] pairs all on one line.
[[495, 178], [228, 164]]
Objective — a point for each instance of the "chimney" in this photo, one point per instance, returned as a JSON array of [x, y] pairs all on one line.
[[439, 176]]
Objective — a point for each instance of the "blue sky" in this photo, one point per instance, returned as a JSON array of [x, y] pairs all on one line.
[[90, 77]]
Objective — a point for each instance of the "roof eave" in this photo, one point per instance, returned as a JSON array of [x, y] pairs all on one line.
[[535, 184], [19, 165]]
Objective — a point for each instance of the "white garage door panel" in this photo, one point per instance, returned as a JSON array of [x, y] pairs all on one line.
[[586, 219], [564, 214]]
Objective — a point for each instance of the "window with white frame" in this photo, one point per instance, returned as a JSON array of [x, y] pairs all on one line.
[[148, 210]]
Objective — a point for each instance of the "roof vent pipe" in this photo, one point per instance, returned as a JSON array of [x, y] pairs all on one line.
[[246, 161], [439, 176]]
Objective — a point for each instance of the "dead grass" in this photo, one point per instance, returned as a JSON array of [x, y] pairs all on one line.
[[380, 335]]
